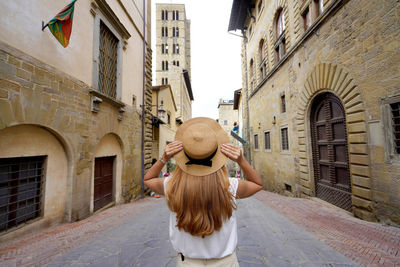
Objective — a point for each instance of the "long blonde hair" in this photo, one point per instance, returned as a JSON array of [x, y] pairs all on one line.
[[201, 203]]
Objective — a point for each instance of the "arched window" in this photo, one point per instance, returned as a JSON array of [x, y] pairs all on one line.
[[261, 50], [177, 15], [280, 44], [251, 74], [263, 62], [280, 23]]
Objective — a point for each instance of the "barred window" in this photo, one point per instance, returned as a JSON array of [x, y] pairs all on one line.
[[21, 183], [267, 141], [256, 141], [108, 62], [395, 109], [283, 103], [284, 139]]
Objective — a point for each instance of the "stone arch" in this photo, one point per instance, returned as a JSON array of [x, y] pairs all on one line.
[[337, 80], [110, 145], [26, 140]]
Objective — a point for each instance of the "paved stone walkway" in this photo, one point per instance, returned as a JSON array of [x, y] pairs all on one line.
[[273, 231]]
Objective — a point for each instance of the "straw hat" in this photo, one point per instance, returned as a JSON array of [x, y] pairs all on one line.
[[201, 154]]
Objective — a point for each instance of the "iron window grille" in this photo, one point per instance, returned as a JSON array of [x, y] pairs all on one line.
[[108, 62], [283, 103], [284, 139], [267, 140], [395, 110], [21, 183], [256, 141]]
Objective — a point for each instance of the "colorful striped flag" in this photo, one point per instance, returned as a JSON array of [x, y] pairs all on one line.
[[61, 25]]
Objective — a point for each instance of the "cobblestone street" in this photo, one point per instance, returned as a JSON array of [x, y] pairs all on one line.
[[273, 231]]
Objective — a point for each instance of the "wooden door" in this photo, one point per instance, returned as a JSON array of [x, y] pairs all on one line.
[[103, 182], [330, 156]]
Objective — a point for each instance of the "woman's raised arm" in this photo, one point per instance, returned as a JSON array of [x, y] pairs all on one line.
[[253, 184]]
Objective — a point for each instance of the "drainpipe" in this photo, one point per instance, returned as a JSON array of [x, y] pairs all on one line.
[[143, 101], [247, 150]]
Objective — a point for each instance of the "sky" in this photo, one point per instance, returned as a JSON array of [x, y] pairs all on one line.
[[216, 69]]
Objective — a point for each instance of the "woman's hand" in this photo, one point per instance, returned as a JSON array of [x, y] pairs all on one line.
[[171, 150], [232, 152]]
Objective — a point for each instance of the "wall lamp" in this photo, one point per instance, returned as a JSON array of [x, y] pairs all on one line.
[[160, 110]]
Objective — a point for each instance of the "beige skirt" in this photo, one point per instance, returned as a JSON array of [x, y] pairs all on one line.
[[228, 261]]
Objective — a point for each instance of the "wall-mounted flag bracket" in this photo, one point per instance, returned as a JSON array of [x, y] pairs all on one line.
[[44, 26]]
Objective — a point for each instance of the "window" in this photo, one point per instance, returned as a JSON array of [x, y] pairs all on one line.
[[175, 15], [263, 63], [175, 32], [280, 44], [259, 6], [256, 141], [107, 83], [164, 65], [164, 14], [267, 140], [280, 23], [283, 103], [21, 183], [284, 139], [164, 49], [177, 63], [251, 74], [395, 111], [164, 81], [306, 19], [164, 31], [175, 48], [319, 7], [168, 118], [225, 122]]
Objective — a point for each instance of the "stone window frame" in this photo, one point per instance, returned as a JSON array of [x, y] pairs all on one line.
[[284, 151], [256, 142], [280, 39], [270, 143], [102, 12], [390, 154], [283, 105], [262, 55], [260, 7]]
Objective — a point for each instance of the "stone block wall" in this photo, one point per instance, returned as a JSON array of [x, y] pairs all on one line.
[[34, 93], [352, 51]]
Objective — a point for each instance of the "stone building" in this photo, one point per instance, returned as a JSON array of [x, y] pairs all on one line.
[[70, 138], [321, 91], [173, 60], [164, 120], [227, 116]]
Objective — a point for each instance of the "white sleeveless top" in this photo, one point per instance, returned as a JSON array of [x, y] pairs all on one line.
[[218, 245]]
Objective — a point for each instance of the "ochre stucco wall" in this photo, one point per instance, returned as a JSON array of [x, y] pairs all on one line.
[[27, 141]]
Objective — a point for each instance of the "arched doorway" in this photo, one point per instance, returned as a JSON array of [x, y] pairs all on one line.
[[330, 156]]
